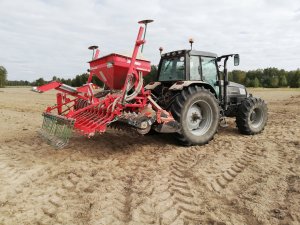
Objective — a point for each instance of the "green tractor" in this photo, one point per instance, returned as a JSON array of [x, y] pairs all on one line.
[[191, 86]]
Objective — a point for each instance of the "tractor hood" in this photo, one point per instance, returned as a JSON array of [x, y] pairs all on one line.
[[236, 89]]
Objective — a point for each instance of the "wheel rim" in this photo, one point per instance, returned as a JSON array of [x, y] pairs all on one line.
[[199, 118], [256, 117]]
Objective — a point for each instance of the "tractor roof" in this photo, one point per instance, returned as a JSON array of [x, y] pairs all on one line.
[[203, 53], [192, 52]]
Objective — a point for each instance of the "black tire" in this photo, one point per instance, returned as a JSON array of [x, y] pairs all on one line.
[[196, 98], [252, 116]]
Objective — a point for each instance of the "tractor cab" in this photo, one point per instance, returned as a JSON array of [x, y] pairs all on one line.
[[179, 69], [188, 65]]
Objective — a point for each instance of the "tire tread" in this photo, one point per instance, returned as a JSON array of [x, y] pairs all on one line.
[[243, 111], [177, 106]]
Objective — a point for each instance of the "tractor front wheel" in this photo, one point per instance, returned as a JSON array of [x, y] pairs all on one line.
[[252, 116], [197, 111]]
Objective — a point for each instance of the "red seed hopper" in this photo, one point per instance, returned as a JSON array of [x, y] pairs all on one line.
[[112, 69], [125, 104]]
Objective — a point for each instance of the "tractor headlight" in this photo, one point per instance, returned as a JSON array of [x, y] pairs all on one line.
[[242, 91]]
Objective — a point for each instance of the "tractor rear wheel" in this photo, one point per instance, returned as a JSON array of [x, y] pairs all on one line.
[[197, 111], [252, 116]]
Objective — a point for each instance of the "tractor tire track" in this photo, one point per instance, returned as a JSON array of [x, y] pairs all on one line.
[[254, 192], [292, 198], [16, 171], [50, 191], [158, 207], [115, 204], [237, 167], [126, 200], [183, 194]]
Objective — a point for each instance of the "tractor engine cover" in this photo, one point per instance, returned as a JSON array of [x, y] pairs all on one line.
[[112, 69]]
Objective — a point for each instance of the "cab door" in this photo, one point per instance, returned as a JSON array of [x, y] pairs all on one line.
[[209, 70], [195, 68]]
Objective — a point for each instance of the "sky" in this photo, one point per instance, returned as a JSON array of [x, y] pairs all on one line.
[[46, 38]]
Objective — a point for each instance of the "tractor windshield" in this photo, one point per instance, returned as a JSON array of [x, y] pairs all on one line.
[[172, 68]]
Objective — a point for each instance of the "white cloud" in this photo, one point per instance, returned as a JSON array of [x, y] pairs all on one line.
[[46, 38]]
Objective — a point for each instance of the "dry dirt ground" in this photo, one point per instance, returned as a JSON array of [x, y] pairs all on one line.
[[119, 179]]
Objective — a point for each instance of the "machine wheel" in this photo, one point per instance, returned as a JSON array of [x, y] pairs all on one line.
[[252, 116], [197, 111]]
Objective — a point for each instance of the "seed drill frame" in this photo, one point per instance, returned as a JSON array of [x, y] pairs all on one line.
[[126, 102]]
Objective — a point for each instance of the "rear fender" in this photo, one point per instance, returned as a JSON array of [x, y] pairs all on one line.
[[152, 85], [179, 85]]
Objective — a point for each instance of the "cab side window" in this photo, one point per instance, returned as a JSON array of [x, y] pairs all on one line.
[[172, 69], [195, 69], [209, 70]]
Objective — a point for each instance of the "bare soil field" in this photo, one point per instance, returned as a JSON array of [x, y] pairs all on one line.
[[116, 178]]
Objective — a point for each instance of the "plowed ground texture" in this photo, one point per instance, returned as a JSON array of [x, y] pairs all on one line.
[[119, 178]]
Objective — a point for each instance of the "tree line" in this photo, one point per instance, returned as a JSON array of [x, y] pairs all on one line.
[[79, 80], [269, 78], [3, 76]]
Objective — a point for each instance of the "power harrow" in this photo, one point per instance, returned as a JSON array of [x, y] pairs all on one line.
[[124, 103]]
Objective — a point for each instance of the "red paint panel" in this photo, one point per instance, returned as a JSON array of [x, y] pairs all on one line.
[[112, 69]]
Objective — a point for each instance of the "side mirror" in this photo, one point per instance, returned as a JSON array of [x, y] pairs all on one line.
[[236, 59]]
